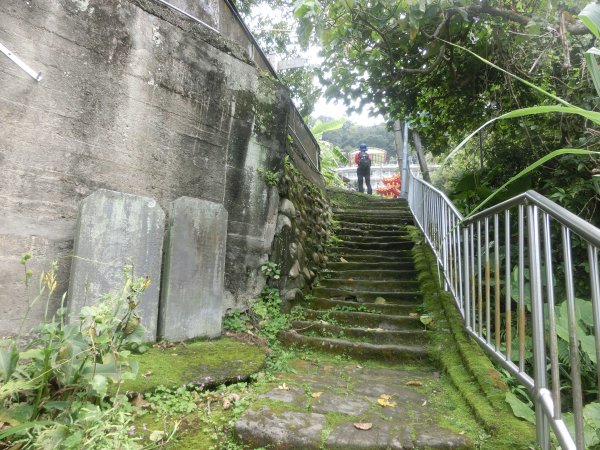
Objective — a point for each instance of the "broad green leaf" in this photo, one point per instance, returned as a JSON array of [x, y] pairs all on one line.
[[23, 427], [590, 16], [99, 385], [520, 408], [590, 58], [9, 357], [321, 127]]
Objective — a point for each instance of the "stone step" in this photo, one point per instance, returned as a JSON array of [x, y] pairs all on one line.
[[363, 350], [380, 274], [374, 220], [366, 296], [364, 319], [372, 335], [368, 238], [368, 227], [380, 246], [369, 211], [337, 250], [389, 264], [370, 285], [321, 304], [367, 257], [352, 232]]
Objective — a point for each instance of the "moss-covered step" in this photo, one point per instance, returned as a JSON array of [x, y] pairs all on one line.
[[372, 211], [380, 246], [382, 274], [389, 264], [201, 363], [369, 226], [366, 296], [368, 239], [374, 220], [370, 256], [322, 304], [364, 319], [352, 284], [372, 335], [351, 231], [356, 349]]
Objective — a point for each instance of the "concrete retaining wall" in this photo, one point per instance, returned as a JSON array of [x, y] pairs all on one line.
[[138, 99]]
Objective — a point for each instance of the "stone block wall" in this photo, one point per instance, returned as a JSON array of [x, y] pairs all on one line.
[[138, 99]]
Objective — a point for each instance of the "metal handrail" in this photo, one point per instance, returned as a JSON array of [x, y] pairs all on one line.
[[484, 259]]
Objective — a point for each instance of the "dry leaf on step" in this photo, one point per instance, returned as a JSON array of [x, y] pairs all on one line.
[[283, 387], [316, 394], [380, 301], [413, 314], [343, 260], [363, 425], [414, 383], [385, 401], [147, 374], [424, 403], [226, 403]]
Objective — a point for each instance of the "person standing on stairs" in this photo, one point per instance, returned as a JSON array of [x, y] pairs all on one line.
[[363, 170]]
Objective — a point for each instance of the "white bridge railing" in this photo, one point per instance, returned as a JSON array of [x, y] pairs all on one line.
[[524, 275]]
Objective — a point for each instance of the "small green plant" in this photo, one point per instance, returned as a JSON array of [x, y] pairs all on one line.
[[54, 389], [169, 403], [235, 321], [271, 270], [270, 177]]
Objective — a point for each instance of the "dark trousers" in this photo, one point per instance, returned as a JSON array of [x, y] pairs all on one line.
[[366, 174]]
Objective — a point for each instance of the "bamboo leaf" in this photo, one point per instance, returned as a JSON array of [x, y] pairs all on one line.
[[530, 168], [590, 16], [322, 127], [590, 58]]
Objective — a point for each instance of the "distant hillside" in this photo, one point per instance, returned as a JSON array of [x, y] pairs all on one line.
[[350, 136]]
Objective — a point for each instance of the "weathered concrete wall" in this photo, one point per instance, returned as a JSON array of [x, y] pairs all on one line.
[[135, 98]]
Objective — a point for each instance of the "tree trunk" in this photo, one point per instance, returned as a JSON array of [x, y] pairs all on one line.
[[421, 157], [399, 141]]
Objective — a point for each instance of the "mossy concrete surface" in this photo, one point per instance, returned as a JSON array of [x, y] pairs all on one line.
[[202, 363], [465, 363]]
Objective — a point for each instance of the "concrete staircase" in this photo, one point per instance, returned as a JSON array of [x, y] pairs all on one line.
[[367, 302]]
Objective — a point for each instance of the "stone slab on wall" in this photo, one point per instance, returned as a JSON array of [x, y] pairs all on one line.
[[194, 269], [113, 230]]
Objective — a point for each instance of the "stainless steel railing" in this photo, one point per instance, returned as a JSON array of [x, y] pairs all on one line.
[[525, 277]]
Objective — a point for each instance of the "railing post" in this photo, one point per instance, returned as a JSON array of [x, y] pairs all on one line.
[[537, 322], [466, 276]]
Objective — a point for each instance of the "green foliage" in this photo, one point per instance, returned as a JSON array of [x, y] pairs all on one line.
[[168, 403], [270, 177], [271, 270], [351, 135], [235, 321], [54, 388]]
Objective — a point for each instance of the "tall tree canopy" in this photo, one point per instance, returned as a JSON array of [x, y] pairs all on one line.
[[396, 54]]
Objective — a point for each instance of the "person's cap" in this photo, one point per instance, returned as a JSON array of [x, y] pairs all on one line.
[[362, 146]]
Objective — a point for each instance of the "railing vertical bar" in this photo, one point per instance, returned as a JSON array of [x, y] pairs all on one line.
[[480, 284], [462, 285], [508, 285], [537, 323], [551, 315], [595, 290], [521, 314], [466, 275], [473, 284], [488, 319], [573, 342], [497, 281]]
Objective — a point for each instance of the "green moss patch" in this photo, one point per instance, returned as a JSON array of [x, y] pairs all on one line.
[[207, 363], [465, 363]]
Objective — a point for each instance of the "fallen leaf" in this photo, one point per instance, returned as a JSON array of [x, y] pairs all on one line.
[[413, 314], [139, 402], [233, 397], [226, 403], [147, 374], [426, 319], [363, 425], [343, 260], [424, 403], [384, 400], [380, 301], [156, 435], [461, 432], [350, 279], [283, 387], [358, 366], [316, 394], [414, 383]]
